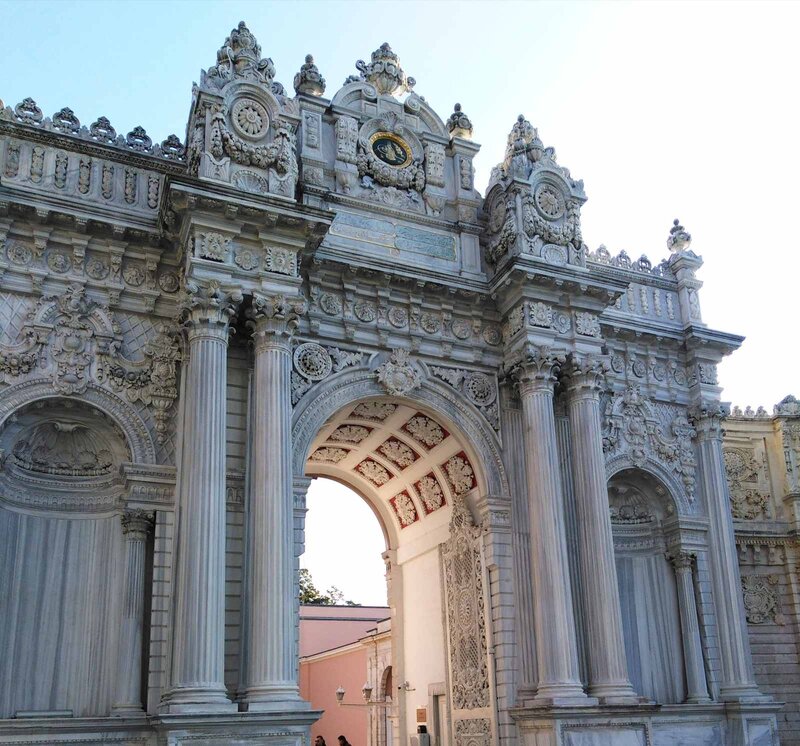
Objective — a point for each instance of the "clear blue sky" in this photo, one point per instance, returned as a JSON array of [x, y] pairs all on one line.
[[680, 109]]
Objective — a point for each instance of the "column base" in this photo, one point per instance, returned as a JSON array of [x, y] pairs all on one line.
[[273, 699], [561, 695], [195, 700], [128, 711], [747, 693], [621, 694]]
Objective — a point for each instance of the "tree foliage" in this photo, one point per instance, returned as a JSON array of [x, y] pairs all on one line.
[[310, 594]]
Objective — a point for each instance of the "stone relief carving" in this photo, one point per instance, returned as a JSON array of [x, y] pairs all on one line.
[[398, 453], [430, 492], [313, 362], [742, 470], [761, 599], [374, 472], [239, 57], [329, 455], [425, 431], [641, 430], [374, 410], [466, 623], [474, 732], [404, 509], [63, 455], [350, 433], [460, 474], [397, 375], [478, 388], [549, 217]]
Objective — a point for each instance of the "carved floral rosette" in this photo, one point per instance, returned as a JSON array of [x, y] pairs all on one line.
[[312, 363], [639, 433]]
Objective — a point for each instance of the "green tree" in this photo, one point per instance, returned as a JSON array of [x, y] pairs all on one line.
[[310, 594]]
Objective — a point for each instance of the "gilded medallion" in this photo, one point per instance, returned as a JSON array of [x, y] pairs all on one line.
[[390, 149]]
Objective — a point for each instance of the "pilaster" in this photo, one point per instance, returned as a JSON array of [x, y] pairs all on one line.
[[737, 679]]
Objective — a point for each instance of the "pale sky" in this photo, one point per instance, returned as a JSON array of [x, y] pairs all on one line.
[[665, 110]]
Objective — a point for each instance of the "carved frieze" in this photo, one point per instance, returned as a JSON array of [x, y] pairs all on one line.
[[479, 388], [640, 431]]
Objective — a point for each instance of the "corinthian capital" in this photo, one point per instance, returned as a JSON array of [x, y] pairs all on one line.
[[681, 561], [584, 374], [538, 369], [137, 524], [707, 419], [208, 303], [273, 319]]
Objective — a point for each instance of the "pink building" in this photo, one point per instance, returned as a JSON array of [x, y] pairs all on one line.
[[346, 646]]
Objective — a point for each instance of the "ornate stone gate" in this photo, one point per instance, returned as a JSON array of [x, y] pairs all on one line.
[[314, 286]]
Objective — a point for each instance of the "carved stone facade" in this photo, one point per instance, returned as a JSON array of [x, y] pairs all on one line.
[[313, 287]]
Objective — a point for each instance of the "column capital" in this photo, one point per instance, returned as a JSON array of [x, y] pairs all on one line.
[[207, 305], [583, 375], [681, 561], [137, 524], [273, 319], [538, 370], [707, 419]]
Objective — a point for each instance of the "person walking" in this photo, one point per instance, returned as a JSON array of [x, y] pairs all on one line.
[[344, 742], [319, 741]]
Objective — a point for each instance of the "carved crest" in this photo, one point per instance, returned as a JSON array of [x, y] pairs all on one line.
[[397, 375]]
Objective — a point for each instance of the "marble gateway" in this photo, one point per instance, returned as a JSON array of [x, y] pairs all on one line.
[[190, 331]]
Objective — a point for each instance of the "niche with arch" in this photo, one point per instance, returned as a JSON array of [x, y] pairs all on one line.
[[640, 506], [61, 558]]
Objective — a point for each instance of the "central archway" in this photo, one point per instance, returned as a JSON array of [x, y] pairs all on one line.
[[426, 466]]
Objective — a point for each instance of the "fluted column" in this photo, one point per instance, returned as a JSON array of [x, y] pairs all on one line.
[[556, 652], [696, 686], [737, 680], [198, 638], [271, 681], [136, 525], [605, 646]]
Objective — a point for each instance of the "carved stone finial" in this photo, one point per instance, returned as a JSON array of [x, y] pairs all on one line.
[[679, 240], [28, 112], [308, 80], [66, 121], [789, 405], [384, 72], [459, 124], [240, 57]]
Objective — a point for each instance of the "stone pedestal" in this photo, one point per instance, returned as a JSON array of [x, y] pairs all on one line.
[[696, 686], [556, 652], [270, 665], [198, 637], [136, 525], [605, 647]]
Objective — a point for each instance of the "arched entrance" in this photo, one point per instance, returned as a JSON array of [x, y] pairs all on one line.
[[426, 481]]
